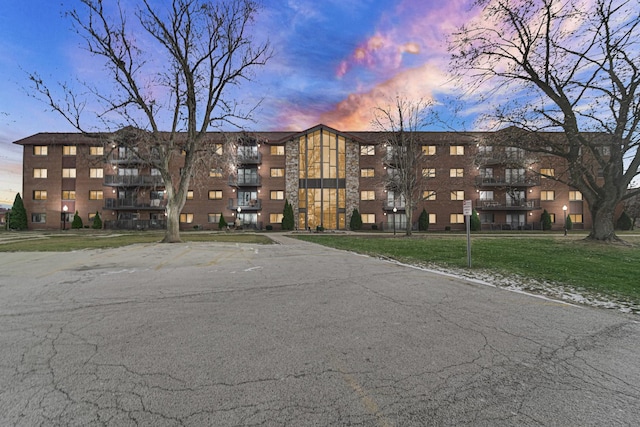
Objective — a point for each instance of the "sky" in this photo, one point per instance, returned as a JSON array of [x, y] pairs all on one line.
[[334, 60]]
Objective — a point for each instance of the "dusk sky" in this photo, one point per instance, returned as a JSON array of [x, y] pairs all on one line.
[[333, 61]]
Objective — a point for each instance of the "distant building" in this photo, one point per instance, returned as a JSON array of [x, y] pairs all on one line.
[[324, 173]]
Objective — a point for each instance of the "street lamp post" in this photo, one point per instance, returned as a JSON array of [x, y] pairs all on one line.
[[65, 208], [394, 220], [564, 215], [238, 222]]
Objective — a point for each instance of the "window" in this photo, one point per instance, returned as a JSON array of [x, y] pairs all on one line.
[[189, 194], [368, 218], [486, 174], [96, 151], [40, 150], [218, 149], [68, 195], [547, 195], [367, 150], [485, 149], [456, 150], [486, 195], [186, 218], [213, 218], [155, 172], [553, 217], [547, 172], [39, 218], [432, 218], [575, 196], [277, 172], [39, 173], [367, 173], [367, 195], [39, 194], [277, 195], [215, 173], [576, 218], [429, 172], [127, 172], [456, 218], [429, 150], [429, 195], [277, 150], [457, 195], [456, 172], [275, 218], [69, 172], [215, 194], [96, 173], [96, 195], [69, 150], [92, 216]]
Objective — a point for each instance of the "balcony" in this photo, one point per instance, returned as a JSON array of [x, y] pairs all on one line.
[[504, 181], [244, 205], [133, 180], [245, 181], [135, 224], [508, 205], [499, 158], [135, 204], [249, 158], [388, 206], [132, 158]]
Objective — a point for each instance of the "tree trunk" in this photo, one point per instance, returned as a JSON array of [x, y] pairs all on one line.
[[603, 225], [409, 215], [172, 234]]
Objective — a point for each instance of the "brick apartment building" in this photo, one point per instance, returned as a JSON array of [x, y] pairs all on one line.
[[324, 173]]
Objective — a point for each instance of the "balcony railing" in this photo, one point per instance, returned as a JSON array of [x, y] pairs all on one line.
[[135, 224], [493, 158], [133, 180], [388, 206], [508, 204], [243, 181], [154, 204], [249, 158], [132, 159], [504, 181], [245, 205]]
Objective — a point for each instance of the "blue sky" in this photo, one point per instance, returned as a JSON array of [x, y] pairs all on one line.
[[334, 61]]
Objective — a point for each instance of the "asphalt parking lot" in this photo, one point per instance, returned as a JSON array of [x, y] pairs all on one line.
[[296, 334]]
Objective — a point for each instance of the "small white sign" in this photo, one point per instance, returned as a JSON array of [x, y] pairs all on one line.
[[467, 209]]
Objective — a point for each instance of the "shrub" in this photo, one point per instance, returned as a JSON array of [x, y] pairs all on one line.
[[319, 228], [625, 222], [474, 224], [447, 228], [269, 227], [77, 221], [545, 218], [222, 224], [569, 224], [97, 222], [356, 221], [287, 216], [374, 226], [17, 218], [423, 220]]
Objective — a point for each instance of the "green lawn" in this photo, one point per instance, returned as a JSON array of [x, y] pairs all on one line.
[[610, 270]]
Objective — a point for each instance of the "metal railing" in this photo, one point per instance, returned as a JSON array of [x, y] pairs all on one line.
[[245, 205], [130, 203], [507, 204], [134, 180]]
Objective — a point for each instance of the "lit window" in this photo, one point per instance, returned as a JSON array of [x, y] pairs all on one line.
[[429, 195], [575, 196], [214, 218], [456, 150], [485, 195], [189, 194], [429, 172], [368, 218], [432, 218], [69, 150], [39, 194], [96, 195], [547, 195], [69, 172], [39, 173], [186, 218], [215, 194], [547, 172], [40, 150], [456, 172], [429, 150], [553, 217], [368, 195], [68, 195], [96, 173], [96, 151], [277, 172], [457, 195], [367, 173], [277, 150], [219, 149], [277, 195], [215, 173], [39, 218], [456, 218], [275, 218], [576, 218], [367, 150]]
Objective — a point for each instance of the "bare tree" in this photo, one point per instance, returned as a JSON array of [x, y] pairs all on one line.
[[563, 65], [405, 160], [171, 70]]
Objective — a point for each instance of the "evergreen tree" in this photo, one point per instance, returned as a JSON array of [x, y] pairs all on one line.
[[545, 218], [568, 224], [356, 221], [287, 216], [18, 215], [222, 224], [625, 222], [77, 221], [474, 223], [423, 220], [97, 222]]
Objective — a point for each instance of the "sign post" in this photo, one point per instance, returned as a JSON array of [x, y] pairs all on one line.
[[467, 210]]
